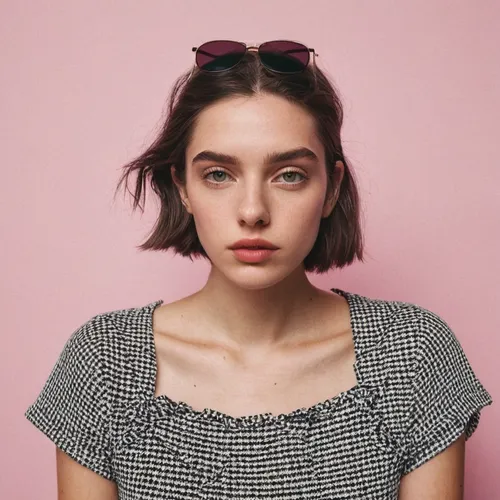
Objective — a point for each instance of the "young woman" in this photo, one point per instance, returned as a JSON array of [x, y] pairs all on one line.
[[259, 385]]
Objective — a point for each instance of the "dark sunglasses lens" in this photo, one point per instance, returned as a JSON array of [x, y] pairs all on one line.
[[219, 55], [284, 56]]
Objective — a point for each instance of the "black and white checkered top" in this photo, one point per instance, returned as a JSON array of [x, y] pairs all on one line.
[[415, 394]]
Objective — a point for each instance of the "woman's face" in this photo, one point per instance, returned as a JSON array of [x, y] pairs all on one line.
[[233, 182]]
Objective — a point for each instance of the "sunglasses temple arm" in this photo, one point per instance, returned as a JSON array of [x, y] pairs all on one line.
[[314, 70], [207, 53]]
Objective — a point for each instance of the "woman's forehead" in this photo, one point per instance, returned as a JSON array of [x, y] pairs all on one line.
[[260, 108], [258, 124]]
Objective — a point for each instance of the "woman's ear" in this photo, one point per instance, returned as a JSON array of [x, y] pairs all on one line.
[[181, 188], [332, 196]]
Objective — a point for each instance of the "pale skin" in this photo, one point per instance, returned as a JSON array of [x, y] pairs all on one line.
[[262, 327]]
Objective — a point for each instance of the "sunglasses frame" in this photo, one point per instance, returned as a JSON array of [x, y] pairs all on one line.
[[256, 48]]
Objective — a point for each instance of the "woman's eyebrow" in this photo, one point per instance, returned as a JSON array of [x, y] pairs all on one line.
[[274, 157]]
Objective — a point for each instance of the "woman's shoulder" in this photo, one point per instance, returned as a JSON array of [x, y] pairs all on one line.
[[428, 391], [109, 346], [395, 325], [407, 346], [103, 363], [111, 352], [117, 325]]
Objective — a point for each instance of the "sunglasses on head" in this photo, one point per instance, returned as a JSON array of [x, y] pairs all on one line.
[[280, 56]]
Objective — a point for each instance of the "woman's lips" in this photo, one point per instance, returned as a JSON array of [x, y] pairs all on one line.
[[253, 255]]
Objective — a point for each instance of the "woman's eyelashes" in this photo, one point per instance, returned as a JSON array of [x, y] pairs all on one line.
[[219, 176]]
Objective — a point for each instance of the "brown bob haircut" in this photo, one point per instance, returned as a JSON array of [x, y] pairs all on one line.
[[339, 239]]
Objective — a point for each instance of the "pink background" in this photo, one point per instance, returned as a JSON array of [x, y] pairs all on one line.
[[83, 85]]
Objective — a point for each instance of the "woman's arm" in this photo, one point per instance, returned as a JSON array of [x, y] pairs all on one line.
[[76, 482], [440, 478]]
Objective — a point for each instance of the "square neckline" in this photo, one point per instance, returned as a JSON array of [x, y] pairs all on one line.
[[180, 406]]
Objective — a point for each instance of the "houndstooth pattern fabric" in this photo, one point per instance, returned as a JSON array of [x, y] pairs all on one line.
[[415, 394]]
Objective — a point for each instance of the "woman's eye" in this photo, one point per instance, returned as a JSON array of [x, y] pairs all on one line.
[[216, 173], [291, 174], [218, 176]]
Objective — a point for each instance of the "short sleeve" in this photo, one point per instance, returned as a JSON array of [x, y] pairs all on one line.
[[73, 406], [446, 396]]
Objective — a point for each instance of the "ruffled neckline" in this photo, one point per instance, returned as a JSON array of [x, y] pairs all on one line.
[[360, 394]]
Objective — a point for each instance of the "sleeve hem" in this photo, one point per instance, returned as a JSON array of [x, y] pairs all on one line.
[[434, 450], [68, 445], [465, 423]]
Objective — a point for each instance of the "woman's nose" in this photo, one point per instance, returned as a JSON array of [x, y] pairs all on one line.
[[254, 208]]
